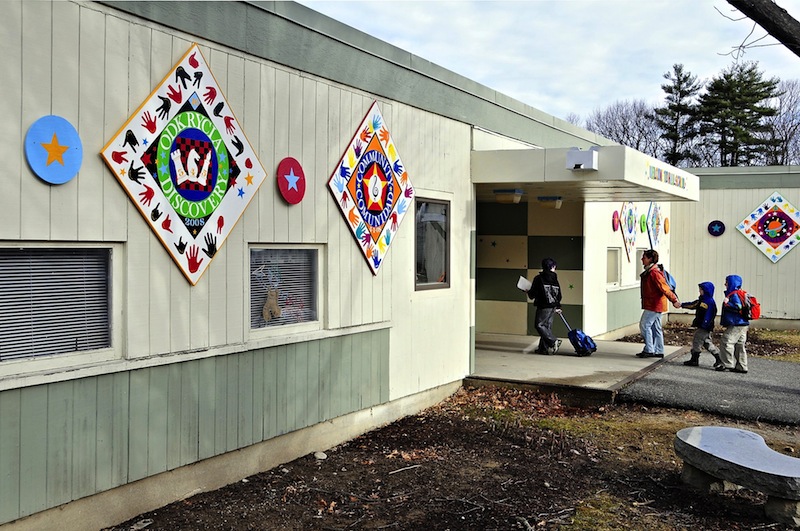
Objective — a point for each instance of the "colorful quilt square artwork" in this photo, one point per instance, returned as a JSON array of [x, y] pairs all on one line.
[[183, 159], [628, 224], [773, 227], [372, 188], [654, 224]]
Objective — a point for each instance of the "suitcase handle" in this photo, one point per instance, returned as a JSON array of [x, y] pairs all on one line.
[[569, 328]]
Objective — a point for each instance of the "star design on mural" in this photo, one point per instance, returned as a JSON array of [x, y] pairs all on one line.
[[55, 151], [291, 179], [241, 192], [249, 179], [375, 187], [716, 227], [494, 244], [571, 286]]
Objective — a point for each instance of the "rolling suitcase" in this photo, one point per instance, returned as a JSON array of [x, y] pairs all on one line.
[[583, 344]]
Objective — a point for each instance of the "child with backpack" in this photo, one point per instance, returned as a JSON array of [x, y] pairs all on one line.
[[705, 312], [734, 353]]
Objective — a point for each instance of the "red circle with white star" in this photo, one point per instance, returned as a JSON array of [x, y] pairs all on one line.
[[291, 180]]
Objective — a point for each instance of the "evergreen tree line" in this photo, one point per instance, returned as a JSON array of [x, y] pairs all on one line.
[[738, 118]]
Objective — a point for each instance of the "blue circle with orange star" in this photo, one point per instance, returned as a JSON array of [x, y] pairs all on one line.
[[53, 149], [716, 228]]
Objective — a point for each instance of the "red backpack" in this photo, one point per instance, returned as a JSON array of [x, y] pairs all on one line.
[[751, 308]]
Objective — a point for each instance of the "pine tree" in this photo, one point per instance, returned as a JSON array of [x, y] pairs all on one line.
[[731, 114], [675, 119]]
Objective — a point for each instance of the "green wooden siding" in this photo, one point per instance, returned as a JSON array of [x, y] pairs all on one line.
[[66, 440], [623, 308]]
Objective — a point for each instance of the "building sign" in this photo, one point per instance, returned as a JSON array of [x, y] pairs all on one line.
[[663, 175], [773, 227], [372, 188], [183, 159]]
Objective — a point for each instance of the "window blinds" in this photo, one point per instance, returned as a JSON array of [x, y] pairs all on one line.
[[54, 301]]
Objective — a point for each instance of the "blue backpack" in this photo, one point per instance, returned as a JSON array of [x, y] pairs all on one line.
[[673, 285]]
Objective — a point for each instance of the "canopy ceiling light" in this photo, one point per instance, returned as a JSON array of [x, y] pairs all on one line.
[[508, 195], [550, 201]]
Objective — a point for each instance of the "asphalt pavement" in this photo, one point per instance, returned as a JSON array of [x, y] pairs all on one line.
[[769, 392]]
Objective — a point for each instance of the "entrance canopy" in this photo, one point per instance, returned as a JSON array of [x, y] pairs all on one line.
[[604, 173]]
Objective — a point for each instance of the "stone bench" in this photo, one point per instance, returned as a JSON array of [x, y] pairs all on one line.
[[714, 455]]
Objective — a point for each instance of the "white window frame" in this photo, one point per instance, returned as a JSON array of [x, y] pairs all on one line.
[[637, 266], [69, 360], [613, 267], [287, 329], [423, 286]]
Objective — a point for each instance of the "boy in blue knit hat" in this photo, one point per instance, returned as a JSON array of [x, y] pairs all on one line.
[[705, 312]]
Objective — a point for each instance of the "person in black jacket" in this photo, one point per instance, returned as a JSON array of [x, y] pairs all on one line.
[[546, 294], [705, 312]]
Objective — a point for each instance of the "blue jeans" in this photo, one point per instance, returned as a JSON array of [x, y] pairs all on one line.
[[652, 333]]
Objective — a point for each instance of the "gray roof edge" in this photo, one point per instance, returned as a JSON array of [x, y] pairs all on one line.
[[747, 177], [258, 27]]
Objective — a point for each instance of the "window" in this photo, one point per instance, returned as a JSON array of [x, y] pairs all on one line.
[[54, 301], [637, 267], [432, 227], [613, 266], [283, 287]]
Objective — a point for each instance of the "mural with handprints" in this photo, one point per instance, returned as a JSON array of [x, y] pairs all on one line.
[[372, 188], [186, 164], [773, 227]]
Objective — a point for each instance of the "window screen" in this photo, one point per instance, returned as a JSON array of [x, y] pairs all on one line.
[[54, 301], [283, 287], [432, 244]]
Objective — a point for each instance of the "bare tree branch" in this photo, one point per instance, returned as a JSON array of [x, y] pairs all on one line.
[[774, 19]]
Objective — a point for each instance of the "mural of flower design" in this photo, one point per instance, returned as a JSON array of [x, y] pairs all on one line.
[[773, 227]]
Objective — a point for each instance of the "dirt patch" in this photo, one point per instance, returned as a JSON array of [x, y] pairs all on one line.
[[490, 458]]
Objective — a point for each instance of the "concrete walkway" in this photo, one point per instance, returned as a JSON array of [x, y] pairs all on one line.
[[769, 392], [589, 380]]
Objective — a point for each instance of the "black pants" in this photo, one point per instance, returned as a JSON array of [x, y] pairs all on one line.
[[544, 325]]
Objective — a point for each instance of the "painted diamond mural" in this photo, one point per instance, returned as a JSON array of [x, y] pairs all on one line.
[[185, 163], [628, 224], [372, 188], [773, 227], [654, 224]]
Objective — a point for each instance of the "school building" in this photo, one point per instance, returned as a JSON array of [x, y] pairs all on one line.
[[234, 233]]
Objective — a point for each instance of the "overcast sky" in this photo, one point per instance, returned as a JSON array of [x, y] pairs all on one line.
[[569, 56]]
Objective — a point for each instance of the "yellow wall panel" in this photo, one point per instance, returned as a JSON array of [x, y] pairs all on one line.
[[502, 252], [498, 317]]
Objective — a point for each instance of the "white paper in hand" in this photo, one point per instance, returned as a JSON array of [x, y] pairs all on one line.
[[523, 284]]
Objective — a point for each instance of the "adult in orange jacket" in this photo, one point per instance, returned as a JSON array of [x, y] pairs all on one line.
[[655, 292]]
